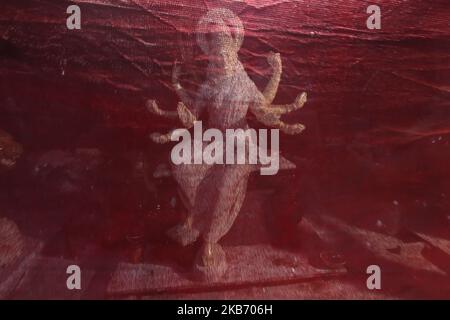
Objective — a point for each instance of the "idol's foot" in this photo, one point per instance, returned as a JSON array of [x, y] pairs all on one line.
[[183, 234], [211, 263]]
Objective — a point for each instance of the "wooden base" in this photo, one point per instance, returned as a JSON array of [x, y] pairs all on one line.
[[247, 266]]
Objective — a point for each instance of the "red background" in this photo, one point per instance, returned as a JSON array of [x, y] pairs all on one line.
[[377, 116]]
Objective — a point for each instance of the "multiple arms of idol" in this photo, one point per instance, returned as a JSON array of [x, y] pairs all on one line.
[[265, 111]]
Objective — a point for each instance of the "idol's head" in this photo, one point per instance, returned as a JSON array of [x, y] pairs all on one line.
[[220, 34]]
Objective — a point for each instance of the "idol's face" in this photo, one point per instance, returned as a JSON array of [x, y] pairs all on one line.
[[222, 55]]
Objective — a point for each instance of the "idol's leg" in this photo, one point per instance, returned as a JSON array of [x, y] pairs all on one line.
[[222, 196], [189, 177]]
